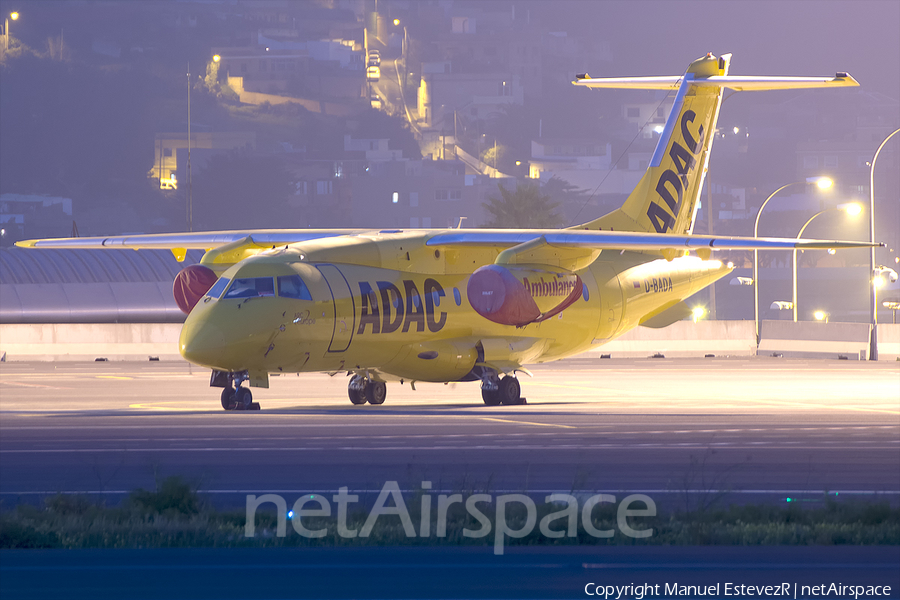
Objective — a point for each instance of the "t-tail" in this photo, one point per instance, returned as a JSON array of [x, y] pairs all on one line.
[[666, 199]]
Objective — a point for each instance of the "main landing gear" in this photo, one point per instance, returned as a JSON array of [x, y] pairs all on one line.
[[236, 397], [362, 390], [504, 391]]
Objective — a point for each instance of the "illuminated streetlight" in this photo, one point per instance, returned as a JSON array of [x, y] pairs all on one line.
[[893, 307], [873, 293], [821, 315], [396, 22], [851, 208], [216, 58], [14, 16], [698, 313], [823, 183]]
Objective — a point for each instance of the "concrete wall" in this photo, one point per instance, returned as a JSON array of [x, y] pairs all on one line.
[[888, 341], [89, 341], [139, 341], [813, 339], [685, 338]]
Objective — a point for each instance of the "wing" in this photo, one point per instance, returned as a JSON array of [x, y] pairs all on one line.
[[574, 249], [626, 240], [200, 240]]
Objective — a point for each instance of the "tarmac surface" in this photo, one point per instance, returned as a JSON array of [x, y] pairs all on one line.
[[686, 430], [689, 433]]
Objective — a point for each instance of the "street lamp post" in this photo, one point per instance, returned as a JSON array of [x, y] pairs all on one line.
[[14, 16], [850, 209], [824, 183], [873, 292]]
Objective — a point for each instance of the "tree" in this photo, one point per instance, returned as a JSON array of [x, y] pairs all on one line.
[[525, 208]]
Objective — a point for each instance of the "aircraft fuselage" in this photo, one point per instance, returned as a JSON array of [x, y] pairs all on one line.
[[405, 313]]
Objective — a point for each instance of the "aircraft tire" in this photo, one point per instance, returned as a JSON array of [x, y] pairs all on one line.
[[357, 396], [376, 392], [510, 392], [491, 398], [229, 402], [244, 398]]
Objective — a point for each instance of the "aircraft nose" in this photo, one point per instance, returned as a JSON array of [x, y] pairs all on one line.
[[202, 342]]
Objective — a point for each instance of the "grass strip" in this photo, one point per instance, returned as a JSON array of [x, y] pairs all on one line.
[[176, 516]]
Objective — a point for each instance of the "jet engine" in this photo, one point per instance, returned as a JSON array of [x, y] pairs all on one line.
[[521, 295], [191, 284]]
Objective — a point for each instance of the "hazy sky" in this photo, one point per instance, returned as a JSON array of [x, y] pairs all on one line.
[[767, 37]]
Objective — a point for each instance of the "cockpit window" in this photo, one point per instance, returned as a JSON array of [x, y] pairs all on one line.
[[218, 287], [291, 286], [251, 288]]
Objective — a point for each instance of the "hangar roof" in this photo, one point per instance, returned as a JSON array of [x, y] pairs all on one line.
[[89, 286]]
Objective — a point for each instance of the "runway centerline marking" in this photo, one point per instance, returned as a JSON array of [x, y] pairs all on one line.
[[527, 423]]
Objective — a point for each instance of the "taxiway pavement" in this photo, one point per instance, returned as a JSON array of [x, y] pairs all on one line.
[[683, 429]]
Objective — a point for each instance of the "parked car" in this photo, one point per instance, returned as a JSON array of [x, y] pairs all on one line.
[[375, 101], [373, 73], [374, 58]]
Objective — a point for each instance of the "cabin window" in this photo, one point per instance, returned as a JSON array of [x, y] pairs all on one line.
[[456, 296], [291, 286], [254, 287], [218, 287]]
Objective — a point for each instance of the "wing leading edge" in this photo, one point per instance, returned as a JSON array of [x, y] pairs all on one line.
[[566, 238], [614, 240], [201, 240]]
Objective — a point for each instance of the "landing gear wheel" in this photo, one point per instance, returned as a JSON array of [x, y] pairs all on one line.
[[376, 392], [509, 392], [491, 397], [243, 398], [228, 398], [356, 392]]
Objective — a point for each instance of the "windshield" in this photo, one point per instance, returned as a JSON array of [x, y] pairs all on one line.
[[216, 290], [254, 287], [291, 286]]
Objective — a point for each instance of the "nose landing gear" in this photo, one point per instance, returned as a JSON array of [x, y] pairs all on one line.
[[234, 396], [362, 390]]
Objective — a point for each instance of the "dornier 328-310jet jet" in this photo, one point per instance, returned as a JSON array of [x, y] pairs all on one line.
[[432, 305]]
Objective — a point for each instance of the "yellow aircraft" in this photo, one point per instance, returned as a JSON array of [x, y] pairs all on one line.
[[462, 305]]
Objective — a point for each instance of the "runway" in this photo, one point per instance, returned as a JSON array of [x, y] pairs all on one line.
[[684, 430]]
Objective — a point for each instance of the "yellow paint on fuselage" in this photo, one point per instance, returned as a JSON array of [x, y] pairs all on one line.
[[439, 336]]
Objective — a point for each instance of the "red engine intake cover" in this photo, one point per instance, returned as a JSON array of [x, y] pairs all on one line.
[[500, 296], [190, 285]]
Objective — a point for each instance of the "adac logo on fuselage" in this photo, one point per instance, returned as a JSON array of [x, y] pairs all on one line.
[[684, 158], [386, 309]]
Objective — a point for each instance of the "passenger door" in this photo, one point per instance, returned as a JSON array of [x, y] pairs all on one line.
[[344, 308]]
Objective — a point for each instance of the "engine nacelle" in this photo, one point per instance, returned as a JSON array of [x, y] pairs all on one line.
[[191, 284], [519, 296]]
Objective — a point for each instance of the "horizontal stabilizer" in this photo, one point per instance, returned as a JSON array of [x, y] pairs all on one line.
[[738, 83]]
